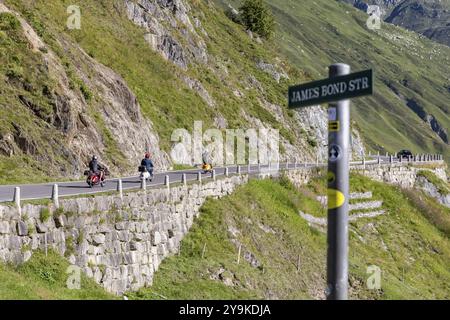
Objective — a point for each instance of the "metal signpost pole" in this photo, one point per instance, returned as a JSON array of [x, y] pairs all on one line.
[[338, 190], [340, 86]]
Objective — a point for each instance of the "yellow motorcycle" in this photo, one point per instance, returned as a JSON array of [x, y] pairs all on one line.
[[207, 168]]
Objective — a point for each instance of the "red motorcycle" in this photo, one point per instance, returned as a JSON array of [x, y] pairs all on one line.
[[93, 178]]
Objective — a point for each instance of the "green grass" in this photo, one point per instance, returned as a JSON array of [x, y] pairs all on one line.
[[315, 34], [412, 252], [44, 278]]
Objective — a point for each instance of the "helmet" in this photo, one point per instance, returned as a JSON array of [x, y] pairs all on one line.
[[94, 157], [147, 155]]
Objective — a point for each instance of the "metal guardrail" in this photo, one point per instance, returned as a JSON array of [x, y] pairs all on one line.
[[238, 170]]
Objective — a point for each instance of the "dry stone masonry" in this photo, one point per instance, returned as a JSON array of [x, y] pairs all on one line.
[[121, 241], [118, 242]]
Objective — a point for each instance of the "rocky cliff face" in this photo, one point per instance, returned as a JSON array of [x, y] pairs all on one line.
[[92, 108], [84, 124]]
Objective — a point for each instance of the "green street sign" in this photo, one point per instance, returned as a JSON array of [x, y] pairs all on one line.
[[331, 89]]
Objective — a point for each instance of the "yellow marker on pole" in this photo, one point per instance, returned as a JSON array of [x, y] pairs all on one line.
[[335, 199]]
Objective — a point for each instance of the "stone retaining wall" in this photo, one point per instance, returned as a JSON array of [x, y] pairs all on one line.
[[118, 242]]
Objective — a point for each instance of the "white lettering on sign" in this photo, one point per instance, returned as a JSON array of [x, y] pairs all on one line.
[[304, 95]]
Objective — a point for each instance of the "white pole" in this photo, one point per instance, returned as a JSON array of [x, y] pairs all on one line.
[[226, 172], [183, 179], [119, 188], [143, 184], [199, 177], [213, 175], [17, 199], [55, 196]]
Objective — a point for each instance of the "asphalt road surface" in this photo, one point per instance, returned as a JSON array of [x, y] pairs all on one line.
[[44, 190]]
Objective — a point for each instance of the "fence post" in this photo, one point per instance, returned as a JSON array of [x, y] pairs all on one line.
[[119, 188], [16, 199], [167, 181], [144, 184], [55, 196]]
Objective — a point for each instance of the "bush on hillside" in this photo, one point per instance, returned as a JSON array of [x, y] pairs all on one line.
[[257, 17]]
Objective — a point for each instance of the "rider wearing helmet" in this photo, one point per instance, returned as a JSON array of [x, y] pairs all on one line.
[[97, 168], [148, 164]]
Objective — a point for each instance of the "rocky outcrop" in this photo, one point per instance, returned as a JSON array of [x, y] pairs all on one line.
[[162, 19], [89, 121], [430, 189]]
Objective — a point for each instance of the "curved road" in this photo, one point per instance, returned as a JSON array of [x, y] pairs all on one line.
[[44, 190]]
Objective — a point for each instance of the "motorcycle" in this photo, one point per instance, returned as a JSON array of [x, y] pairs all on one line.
[[93, 178], [145, 174], [207, 168]]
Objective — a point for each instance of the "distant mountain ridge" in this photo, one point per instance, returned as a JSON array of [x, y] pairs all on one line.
[[428, 17]]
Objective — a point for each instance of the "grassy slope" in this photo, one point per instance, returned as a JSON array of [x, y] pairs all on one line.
[[114, 41], [44, 277], [314, 34], [415, 264]]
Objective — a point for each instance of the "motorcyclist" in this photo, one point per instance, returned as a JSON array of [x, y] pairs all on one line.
[[206, 159], [148, 164], [97, 168]]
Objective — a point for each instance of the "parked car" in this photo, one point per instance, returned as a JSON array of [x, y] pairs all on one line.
[[404, 154]]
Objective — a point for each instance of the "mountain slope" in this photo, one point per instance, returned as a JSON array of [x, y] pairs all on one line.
[[409, 108], [428, 17], [138, 70], [133, 73], [284, 257]]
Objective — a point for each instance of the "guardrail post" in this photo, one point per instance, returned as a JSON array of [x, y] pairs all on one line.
[[259, 167], [226, 172], [387, 154], [16, 199], [287, 165], [239, 170], [144, 184], [213, 175], [249, 168], [55, 196], [391, 159], [364, 162], [183, 179], [317, 160], [119, 188], [379, 160], [167, 181], [199, 177]]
